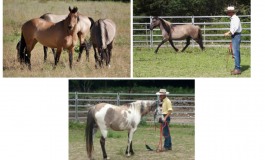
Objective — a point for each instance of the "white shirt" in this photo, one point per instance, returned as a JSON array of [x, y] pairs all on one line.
[[235, 25]]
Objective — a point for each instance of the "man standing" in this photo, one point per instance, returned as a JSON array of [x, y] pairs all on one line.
[[166, 111], [235, 33]]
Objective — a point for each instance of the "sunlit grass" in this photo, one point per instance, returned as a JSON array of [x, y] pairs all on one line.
[[212, 62]]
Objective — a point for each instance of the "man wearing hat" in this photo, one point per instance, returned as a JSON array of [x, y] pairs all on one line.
[[235, 33], [166, 111]]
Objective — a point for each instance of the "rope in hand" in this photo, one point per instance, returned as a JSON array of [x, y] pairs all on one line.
[[159, 146]]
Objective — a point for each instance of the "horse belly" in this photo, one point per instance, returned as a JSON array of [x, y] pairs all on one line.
[[47, 39]]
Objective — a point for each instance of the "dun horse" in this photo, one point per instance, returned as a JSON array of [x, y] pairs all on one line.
[[61, 35], [102, 36], [118, 118], [83, 27], [172, 32]]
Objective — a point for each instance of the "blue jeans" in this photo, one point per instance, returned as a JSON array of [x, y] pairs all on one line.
[[166, 134], [236, 39]]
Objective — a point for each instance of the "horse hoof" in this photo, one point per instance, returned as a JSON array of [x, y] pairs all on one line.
[[106, 158]]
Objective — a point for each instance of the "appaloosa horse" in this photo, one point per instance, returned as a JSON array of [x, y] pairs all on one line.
[[107, 116]]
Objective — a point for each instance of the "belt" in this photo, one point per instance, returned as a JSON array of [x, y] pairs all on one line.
[[237, 33]]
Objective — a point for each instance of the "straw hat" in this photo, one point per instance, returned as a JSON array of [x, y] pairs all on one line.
[[231, 9], [162, 92]]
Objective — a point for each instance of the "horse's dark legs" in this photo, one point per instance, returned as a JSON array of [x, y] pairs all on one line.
[[81, 48], [27, 59], [187, 44], [199, 41], [71, 57], [96, 57], [109, 52], [45, 53], [102, 143], [172, 44], [57, 57], [163, 41]]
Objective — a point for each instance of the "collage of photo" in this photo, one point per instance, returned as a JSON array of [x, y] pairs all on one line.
[[131, 95]]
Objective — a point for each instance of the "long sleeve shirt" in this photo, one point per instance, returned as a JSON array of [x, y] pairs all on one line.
[[235, 25]]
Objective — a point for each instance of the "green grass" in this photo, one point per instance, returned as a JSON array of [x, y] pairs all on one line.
[[212, 62], [182, 141]]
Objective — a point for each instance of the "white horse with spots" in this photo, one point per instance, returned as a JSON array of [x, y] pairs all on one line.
[[118, 118]]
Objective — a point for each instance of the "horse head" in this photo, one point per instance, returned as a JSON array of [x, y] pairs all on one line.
[[72, 18], [147, 106], [155, 22]]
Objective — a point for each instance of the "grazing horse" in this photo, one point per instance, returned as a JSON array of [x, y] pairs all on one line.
[[61, 35], [172, 32], [118, 118], [102, 36]]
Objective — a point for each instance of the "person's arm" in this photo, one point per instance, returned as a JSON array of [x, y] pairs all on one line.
[[168, 114]]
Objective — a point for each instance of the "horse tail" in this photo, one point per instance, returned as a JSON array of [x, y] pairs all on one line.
[[89, 131], [22, 47], [92, 22], [103, 34]]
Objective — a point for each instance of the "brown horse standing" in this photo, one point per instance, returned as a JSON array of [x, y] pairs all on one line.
[[61, 35], [83, 26], [102, 36], [177, 32]]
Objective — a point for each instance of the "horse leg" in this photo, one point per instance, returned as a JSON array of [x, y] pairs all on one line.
[[129, 150], [109, 52], [53, 52], [87, 50], [199, 41], [172, 44], [57, 56], [45, 53], [95, 56], [71, 51], [81, 48], [163, 41], [187, 43], [28, 52]]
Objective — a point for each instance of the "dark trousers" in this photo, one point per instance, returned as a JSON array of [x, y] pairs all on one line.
[[166, 134]]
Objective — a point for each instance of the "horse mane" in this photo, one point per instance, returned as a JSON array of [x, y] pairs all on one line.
[[166, 26], [92, 22]]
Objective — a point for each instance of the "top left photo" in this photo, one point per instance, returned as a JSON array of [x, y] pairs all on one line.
[[44, 38]]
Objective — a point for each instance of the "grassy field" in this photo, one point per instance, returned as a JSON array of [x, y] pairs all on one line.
[[212, 62], [16, 12], [183, 145]]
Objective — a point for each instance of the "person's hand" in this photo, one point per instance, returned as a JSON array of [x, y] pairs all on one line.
[[227, 34]]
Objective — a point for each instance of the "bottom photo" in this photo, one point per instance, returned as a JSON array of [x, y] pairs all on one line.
[[140, 119]]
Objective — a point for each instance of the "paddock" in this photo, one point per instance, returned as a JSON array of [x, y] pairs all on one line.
[[13, 18], [183, 141]]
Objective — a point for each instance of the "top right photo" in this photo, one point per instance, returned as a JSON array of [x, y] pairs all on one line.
[[192, 38]]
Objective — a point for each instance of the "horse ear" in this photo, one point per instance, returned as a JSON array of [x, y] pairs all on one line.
[[70, 10]]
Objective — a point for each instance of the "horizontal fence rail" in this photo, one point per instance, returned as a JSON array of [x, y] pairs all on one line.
[[183, 104], [213, 29]]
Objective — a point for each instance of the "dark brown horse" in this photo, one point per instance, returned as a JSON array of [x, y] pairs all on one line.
[[118, 118], [172, 32], [61, 35], [102, 36]]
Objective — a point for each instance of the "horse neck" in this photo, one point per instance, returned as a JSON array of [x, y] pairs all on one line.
[[165, 26]]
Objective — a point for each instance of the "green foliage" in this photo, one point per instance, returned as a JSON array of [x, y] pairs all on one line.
[[187, 7]]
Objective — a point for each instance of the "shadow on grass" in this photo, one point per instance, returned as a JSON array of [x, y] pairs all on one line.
[[244, 68]]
